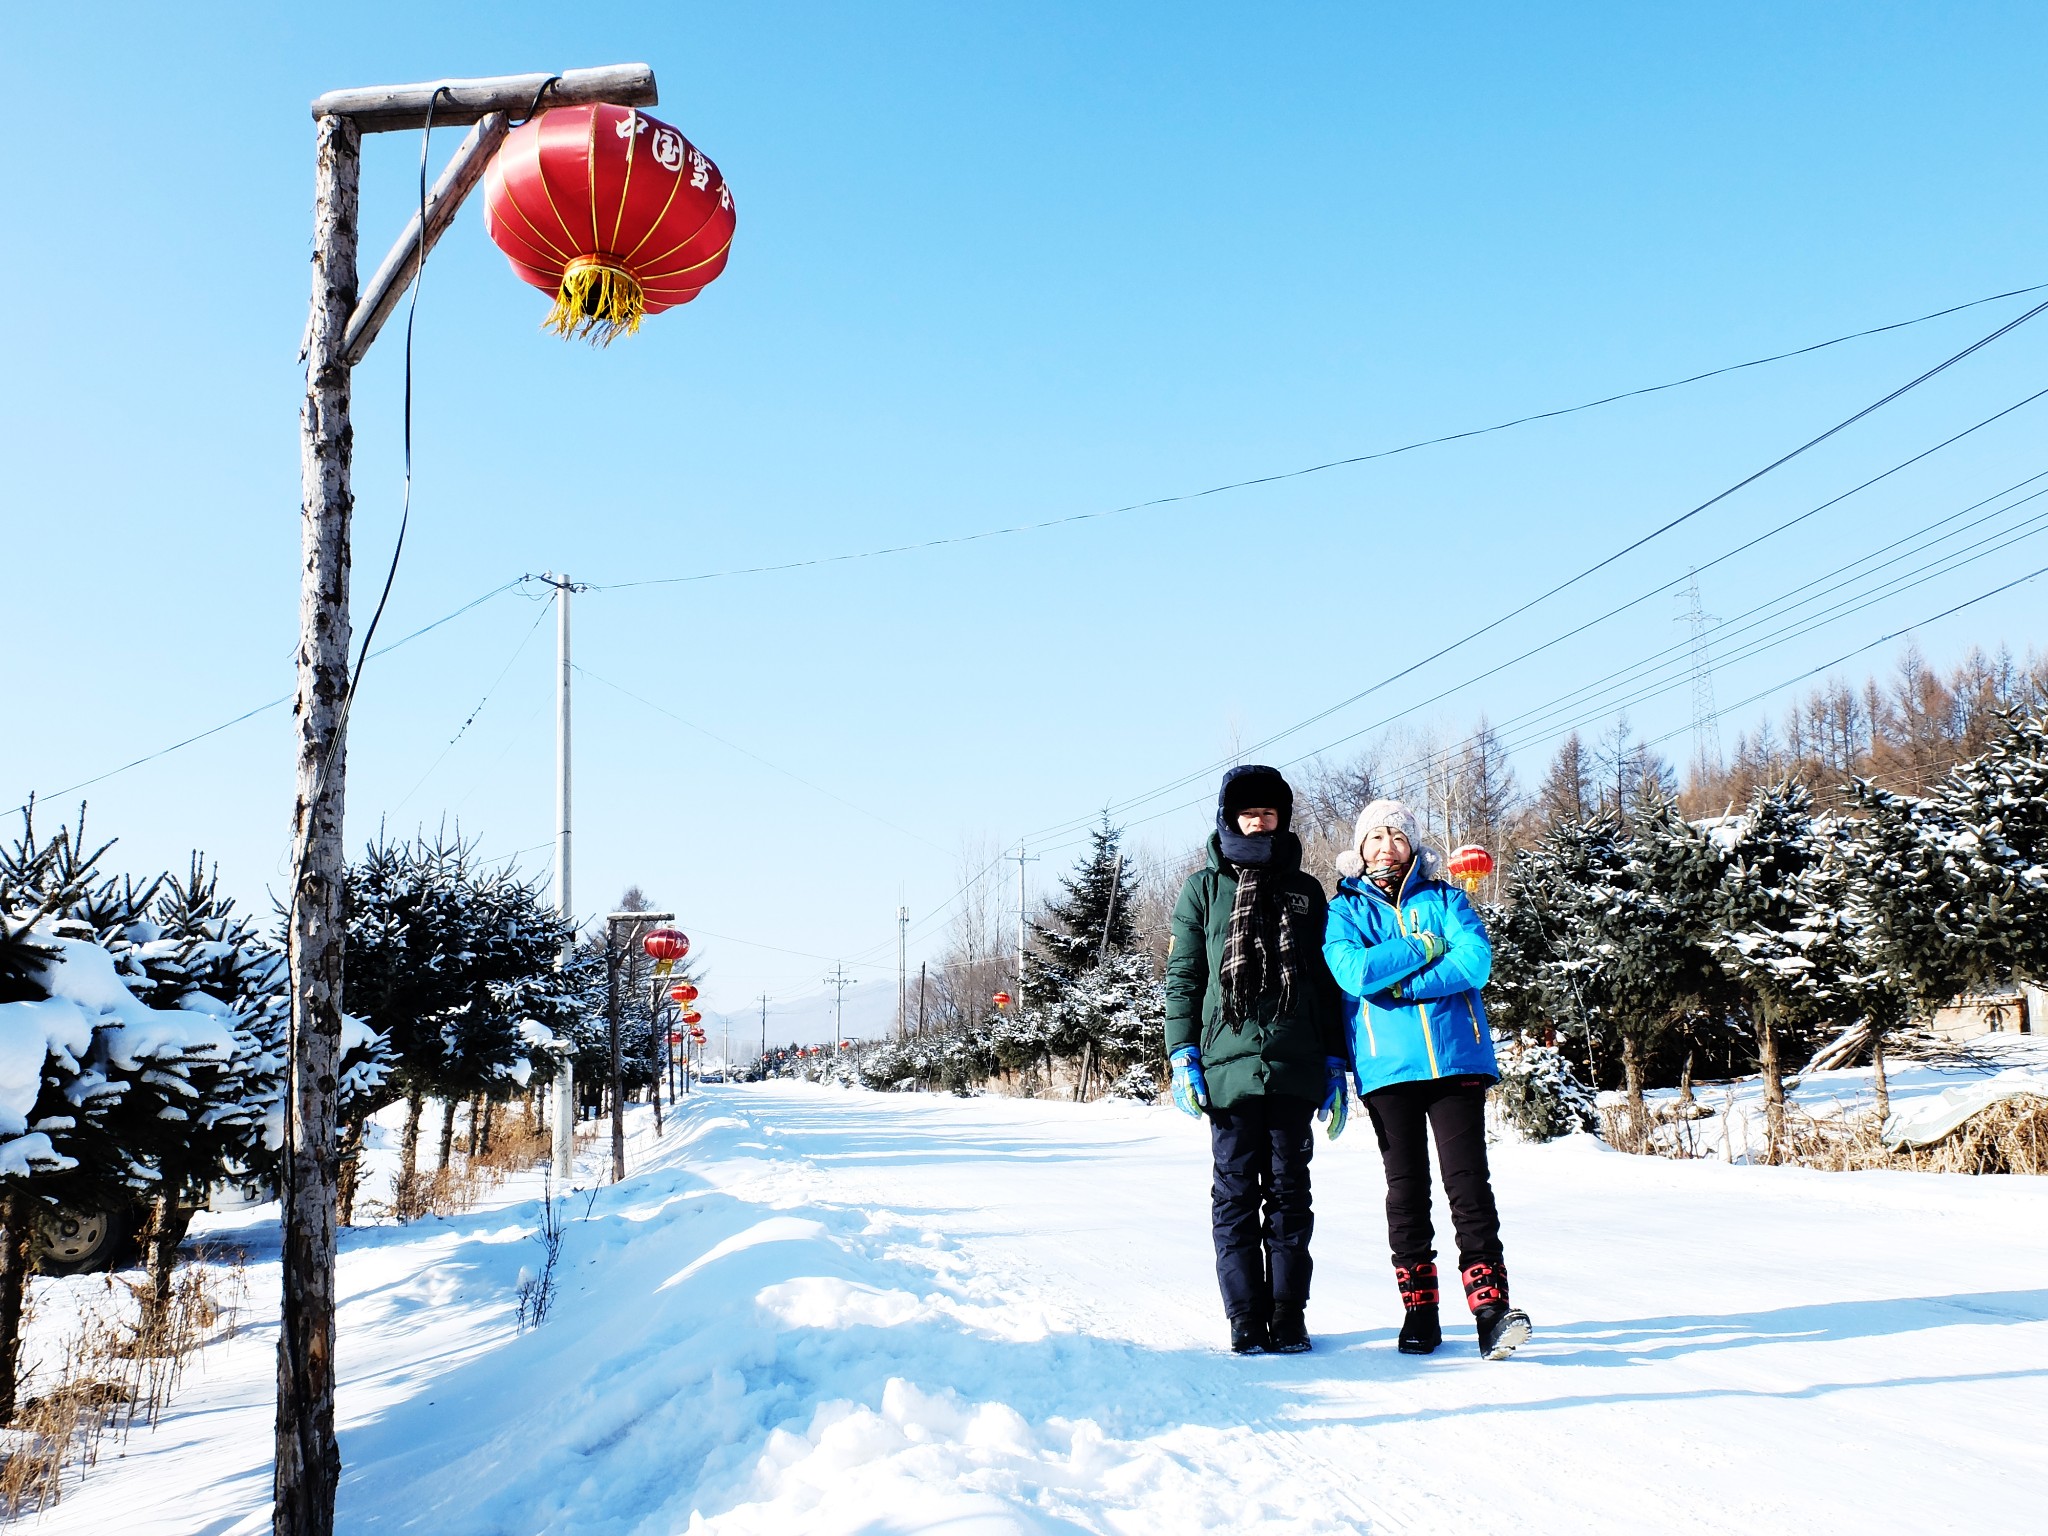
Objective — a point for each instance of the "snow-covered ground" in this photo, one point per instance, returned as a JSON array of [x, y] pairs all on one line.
[[819, 1310]]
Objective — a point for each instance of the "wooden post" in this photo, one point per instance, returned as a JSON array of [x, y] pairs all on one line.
[[308, 1460]]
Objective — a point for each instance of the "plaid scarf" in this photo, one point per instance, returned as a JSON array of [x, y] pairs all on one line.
[[1265, 945]]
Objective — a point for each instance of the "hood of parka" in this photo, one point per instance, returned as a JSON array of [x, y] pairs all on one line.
[[1247, 787]]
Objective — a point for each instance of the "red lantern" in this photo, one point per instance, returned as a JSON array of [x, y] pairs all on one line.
[[1470, 865], [614, 213], [684, 992], [1002, 999], [667, 944], [675, 1037], [692, 1016]]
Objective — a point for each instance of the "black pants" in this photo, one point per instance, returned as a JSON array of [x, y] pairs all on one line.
[[1259, 1203], [1455, 1109]]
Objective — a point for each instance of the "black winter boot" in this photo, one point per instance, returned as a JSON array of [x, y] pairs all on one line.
[[1247, 1335], [1503, 1329], [1289, 1332], [1421, 1332]]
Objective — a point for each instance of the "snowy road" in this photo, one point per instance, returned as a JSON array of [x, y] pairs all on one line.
[[814, 1310]]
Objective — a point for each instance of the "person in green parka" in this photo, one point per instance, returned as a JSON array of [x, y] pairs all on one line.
[[1254, 1031]]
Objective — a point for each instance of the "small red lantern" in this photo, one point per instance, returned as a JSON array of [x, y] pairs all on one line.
[[675, 1037], [1003, 999], [667, 944], [692, 1016], [614, 213], [1470, 865], [684, 992]]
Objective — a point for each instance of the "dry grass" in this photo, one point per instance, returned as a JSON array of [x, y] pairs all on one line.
[[2008, 1137], [518, 1142], [118, 1368]]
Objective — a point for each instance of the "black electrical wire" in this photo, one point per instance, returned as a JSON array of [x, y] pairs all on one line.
[[1362, 458], [1207, 770]]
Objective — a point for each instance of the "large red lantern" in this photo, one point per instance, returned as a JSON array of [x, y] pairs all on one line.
[[613, 212], [684, 992], [692, 1017], [1470, 865], [667, 944], [1002, 999]]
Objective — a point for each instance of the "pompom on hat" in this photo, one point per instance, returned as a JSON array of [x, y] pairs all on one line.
[[1387, 813]]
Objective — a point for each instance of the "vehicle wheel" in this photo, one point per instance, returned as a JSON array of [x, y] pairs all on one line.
[[84, 1242]]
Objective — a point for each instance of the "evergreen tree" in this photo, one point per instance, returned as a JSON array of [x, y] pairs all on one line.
[[1093, 995], [1780, 935]]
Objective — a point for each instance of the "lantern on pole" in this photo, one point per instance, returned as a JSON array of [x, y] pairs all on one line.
[[1003, 999], [666, 946], [684, 992], [1470, 865], [692, 1017], [613, 212]]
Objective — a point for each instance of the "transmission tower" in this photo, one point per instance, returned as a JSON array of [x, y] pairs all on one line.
[[1706, 719]]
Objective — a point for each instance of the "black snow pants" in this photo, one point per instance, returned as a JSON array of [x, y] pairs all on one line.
[[1455, 1109], [1259, 1202]]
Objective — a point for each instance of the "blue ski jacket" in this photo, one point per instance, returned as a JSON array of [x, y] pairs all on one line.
[[1408, 1019]]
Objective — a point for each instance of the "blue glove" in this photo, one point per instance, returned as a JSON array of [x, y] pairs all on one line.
[[1190, 1088], [1336, 1097]]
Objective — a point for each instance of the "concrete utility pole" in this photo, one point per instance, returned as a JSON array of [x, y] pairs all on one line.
[[636, 924], [902, 970], [840, 981], [565, 1074], [1022, 860], [764, 1036], [340, 329]]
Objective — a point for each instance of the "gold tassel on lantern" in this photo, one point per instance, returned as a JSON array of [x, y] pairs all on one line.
[[598, 299]]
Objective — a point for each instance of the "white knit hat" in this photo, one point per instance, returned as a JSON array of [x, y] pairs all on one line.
[[1386, 813]]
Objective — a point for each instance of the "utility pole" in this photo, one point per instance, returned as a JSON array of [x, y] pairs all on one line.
[[902, 970], [565, 1074], [764, 1037], [636, 924], [340, 327], [920, 997], [839, 981], [1022, 860]]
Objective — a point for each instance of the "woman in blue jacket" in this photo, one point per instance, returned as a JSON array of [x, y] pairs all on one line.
[[1411, 956]]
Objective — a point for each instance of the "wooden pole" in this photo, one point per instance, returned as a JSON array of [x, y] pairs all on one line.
[[308, 1460]]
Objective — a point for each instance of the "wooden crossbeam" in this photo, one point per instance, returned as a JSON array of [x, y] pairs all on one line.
[[386, 108], [381, 298]]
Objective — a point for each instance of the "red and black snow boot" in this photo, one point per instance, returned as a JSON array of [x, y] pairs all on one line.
[[1503, 1329], [1421, 1331]]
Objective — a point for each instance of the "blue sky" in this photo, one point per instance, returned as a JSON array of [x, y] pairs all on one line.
[[995, 264]]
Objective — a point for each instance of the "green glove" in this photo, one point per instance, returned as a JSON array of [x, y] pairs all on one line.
[[1336, 1097], [1433, 947]]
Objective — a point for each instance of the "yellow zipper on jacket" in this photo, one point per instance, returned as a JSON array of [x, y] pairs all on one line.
[[1475, 1019], [1421, 1008]]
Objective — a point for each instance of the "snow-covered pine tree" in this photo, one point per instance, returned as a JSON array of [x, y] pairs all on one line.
[[1650, 917], [1556, 891], [1948, 892], [1780, 933], [1094, 996]]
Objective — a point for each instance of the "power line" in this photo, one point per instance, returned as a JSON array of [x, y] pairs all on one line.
[[1207, 770], [1362, 458], [251, 714]]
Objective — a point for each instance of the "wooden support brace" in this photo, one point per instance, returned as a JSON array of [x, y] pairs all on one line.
[[385, 108], [380, 300]]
